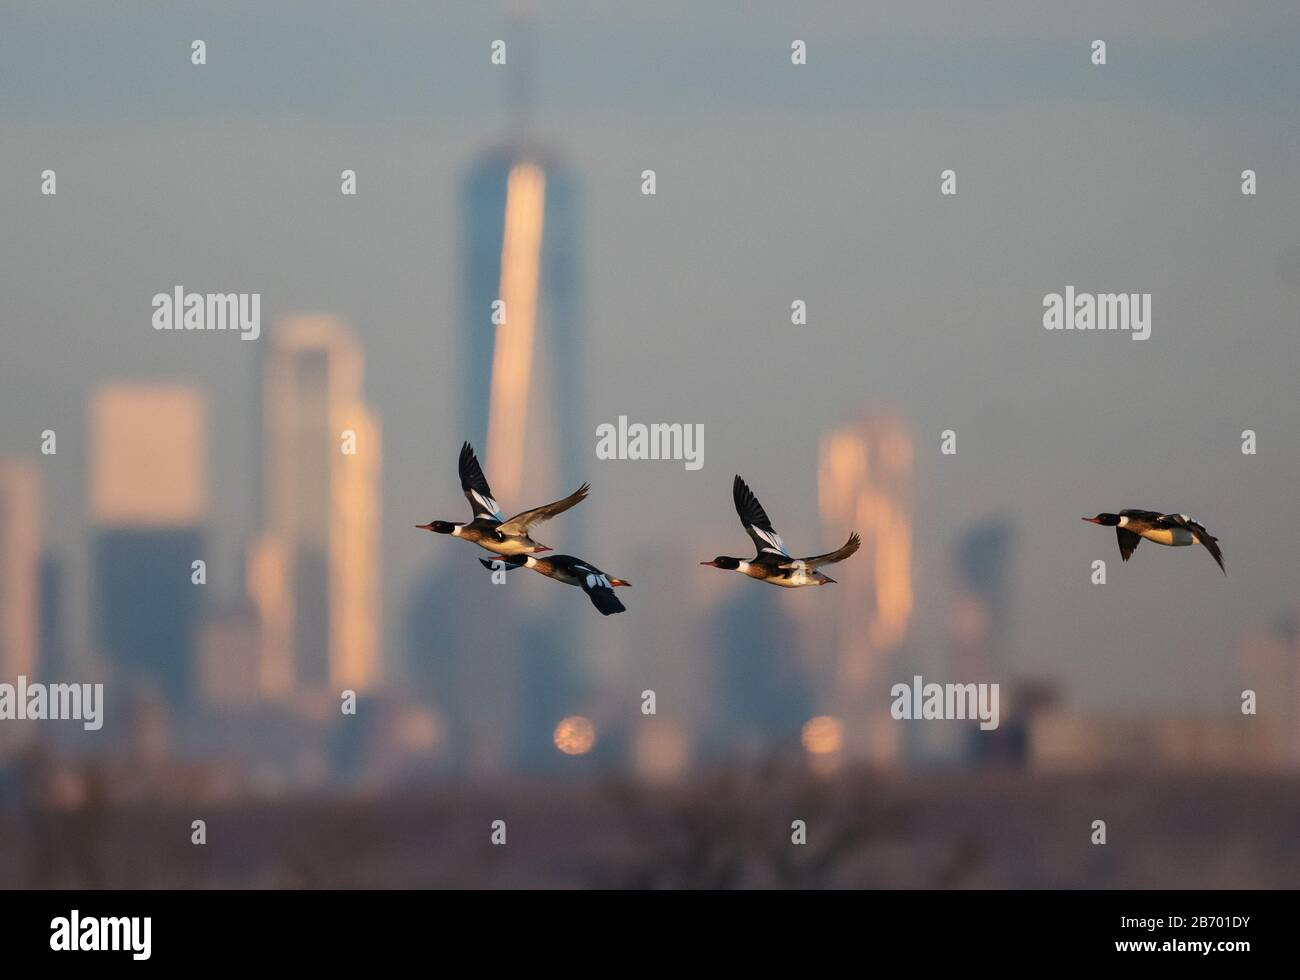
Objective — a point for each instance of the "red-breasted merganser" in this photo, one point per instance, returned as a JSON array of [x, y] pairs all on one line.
[[490, 529], [773, 563], [571, 571], [1175, 530]]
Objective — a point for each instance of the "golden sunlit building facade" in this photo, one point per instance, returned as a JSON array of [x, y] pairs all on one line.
[[20, 554], [515, 343], [148, 455], [864, 484], [523, 365], [313, 572]]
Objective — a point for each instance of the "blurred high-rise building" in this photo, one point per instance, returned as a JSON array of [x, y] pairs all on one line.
[[864, 483], [978, 621], [761, 696], [54, 647], [20, 557], [148, 504], [522, 388], [504, 680], [979, 632], [979, 637], [313, 572]]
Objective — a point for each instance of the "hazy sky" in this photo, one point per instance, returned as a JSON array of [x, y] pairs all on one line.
[[775, 182]]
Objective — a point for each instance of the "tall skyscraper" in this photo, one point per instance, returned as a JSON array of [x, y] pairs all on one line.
[[523, 394], [979, 633], [762, 687], [20, 572], [504, 678], [504, 683], [864, 483], [313, 573], [148, 502], [981, 600]]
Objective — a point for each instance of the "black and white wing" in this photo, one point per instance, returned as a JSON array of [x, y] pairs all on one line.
[[596, 584], [1128, 541], [754, 519], [476, 488], [1202, 535], [830, 558], [520, 523]]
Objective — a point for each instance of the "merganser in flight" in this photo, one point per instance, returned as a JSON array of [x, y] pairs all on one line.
[[1175, 530], [773, 563], [571, 571], [490, 529]]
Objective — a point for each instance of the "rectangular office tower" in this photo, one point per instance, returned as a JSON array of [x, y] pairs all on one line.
[[148, 503], [313, 573]]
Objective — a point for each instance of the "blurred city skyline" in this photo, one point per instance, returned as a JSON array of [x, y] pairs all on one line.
[[921, 310]]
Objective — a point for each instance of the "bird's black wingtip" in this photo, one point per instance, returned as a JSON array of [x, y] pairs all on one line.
[[505, 563], [740, 492], [606, 602]]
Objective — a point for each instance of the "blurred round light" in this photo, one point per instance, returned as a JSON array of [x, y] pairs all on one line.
[[823, 735], [575, 735]]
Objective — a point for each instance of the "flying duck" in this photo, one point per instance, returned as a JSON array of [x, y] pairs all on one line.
[[773, 563], [489, 529], [1175, 530], [571, 571]]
